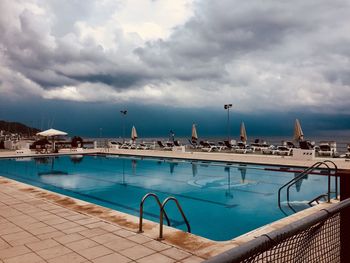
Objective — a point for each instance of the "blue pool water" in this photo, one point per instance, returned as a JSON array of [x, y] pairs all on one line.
[[221, 201]]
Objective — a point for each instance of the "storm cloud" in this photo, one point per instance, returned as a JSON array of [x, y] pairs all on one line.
[[259, 55]]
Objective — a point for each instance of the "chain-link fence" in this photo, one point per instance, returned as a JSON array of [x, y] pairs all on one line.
[[315, 238]]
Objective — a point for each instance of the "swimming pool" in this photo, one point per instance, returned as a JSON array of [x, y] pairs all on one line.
[[220, 200]]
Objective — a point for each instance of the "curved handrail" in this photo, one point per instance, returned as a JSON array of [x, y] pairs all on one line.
[[335, 175], [301, 176], [160, 207], [163, 211], [306, 171]]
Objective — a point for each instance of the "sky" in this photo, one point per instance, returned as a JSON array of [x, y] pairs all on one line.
[[75, 64]]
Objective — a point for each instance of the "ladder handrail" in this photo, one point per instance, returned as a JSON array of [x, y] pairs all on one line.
[[300, 177], [335, 175], [163, 211], [141, 209], [301, 174]]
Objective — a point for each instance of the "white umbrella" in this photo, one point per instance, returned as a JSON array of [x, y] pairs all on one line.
[[298, 132], [194, 132], [133, 133], [51, 132], [243, 134]]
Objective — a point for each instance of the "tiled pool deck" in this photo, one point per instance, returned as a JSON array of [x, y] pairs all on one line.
[[33, 229]]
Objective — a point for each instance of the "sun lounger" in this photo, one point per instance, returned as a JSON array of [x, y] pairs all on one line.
[[229, 146], [114, 145], [143, 146], [347, 154], [283, 150], [327, 149], [269, 150], [194, 144], [258, 145], [289, 144], [177, 143], [305, 145], [209, 147], [243, 148], [163, 146], [125, 145]]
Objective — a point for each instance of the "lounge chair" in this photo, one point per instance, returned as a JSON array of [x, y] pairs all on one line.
[[177, 143], [347, 155], [327, 149], [269, 150], [305, 145], [114, 145], [163, 146], [125, 145], [289, 144], [209, 147], [258, 145], [143, 146], [193, 144], [229, 146], [283, 150], [243, 148]]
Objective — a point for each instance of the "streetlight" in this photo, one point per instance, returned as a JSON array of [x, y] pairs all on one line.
[[123, 113], [227, 107]]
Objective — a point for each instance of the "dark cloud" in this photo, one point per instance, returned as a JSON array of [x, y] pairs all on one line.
[[268, 55], [117, 81]]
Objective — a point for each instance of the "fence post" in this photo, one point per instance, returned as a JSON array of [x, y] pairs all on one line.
[[344, 217]]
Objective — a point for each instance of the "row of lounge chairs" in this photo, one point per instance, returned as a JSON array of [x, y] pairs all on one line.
[[258, 146], [323, 149]]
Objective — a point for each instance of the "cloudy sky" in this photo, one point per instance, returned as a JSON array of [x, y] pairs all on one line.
[[182, 58]]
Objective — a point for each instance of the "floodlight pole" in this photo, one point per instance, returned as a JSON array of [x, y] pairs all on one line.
[[123, 113], [227, 107]]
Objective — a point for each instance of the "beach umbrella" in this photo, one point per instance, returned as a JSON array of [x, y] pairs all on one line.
[[51, 133], [298, 132], [133, 133], [194, 133], [243, 134]]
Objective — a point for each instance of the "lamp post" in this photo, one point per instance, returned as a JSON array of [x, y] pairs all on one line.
[[227, 107], [123, 113]]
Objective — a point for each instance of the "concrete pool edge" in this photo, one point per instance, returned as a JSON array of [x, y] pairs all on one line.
[[193, 244], [258, 159]]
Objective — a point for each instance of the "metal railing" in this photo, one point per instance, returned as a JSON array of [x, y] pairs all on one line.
[[162, 213], [335, 176], [306, 172], [315, 238], [160, 209]]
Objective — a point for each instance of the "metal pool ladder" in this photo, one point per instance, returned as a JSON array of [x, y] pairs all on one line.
[[309, 171], [162, 212]]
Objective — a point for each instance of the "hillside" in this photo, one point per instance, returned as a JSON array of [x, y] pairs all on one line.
[[16, 127]]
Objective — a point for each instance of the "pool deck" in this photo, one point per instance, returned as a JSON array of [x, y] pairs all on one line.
[[37, 225]]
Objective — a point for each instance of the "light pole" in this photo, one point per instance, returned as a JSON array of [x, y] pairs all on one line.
[[123, 113], [227, 107]]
